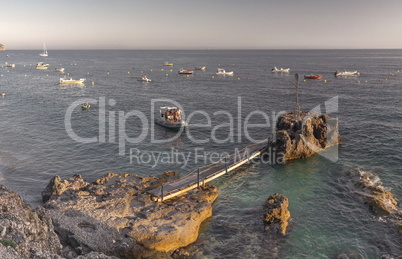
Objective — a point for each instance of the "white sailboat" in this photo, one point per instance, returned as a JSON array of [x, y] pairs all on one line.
[[44, 53]]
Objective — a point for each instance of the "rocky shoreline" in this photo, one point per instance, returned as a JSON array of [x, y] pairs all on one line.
[[113, 217], [25, 233]]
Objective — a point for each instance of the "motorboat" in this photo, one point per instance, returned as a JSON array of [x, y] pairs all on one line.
[[281, 70], [85, 106], [42, 65], [170, 117], [59, 70], [64, 81], [144, 79], [167, 64], [44, 53], [186, 72], [347, 73], [9, 65], [200, 68], [222, 71], [312, 76]]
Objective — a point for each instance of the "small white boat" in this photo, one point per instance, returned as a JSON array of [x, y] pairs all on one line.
[[347, 73], [59, 70], [170, 117], [200, 68], [9, 65], [281, 70], [42, 65], [222, 71], [167, 64], [64, 81], [186, 72], [144, 79], [44, 53]]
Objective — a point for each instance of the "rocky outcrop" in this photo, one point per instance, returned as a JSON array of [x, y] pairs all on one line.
[[2, 47], [25, 233], [276, 214], [116, 216], [304, 136], [379, 200]]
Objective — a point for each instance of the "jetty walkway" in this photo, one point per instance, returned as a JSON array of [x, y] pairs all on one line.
[[201, 175]]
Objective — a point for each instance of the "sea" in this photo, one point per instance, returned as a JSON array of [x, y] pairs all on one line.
[[44, 133]]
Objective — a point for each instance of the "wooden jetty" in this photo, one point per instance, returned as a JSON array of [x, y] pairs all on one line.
[[202, 175]]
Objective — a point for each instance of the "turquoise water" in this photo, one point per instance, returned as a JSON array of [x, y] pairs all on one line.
[[328, 218]]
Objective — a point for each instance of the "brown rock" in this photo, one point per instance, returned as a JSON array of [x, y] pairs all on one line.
[[370, 187], [276, 213], [300, 138], [379, 200], [116, 216]]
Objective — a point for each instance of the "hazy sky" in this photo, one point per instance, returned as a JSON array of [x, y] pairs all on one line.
[[201, 24]]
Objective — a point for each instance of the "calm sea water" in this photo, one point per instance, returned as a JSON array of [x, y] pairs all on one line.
[[328, 218]]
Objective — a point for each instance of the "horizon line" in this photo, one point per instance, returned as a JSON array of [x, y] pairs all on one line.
[[211, 49]]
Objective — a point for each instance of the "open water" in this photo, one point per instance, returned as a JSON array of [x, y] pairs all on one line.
[[328, 218]]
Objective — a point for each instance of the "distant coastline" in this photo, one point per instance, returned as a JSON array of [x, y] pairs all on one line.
[[2, 47]]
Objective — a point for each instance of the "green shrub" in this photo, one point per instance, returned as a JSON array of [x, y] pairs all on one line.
[[6, 242]]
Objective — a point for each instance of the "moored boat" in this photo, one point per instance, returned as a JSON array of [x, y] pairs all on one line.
[[200, 68], [59, 70], [222, 71], [347, 73], [42, 65], [9, 65], [186, 72], [281, 70], [72, 81], [170, 117], [44, 53], [144, 79], [167, 64], [312, 76]]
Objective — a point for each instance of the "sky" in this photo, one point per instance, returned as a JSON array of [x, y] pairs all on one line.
[[201, 24]]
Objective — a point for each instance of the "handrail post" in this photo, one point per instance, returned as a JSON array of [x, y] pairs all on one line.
[[162, 192], [226, 164], [248, 156], [198, 178]]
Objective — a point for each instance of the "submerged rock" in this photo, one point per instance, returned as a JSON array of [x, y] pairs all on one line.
[[303, 137], [25, 233], [379, 200], [276, 214], [116, 216]]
